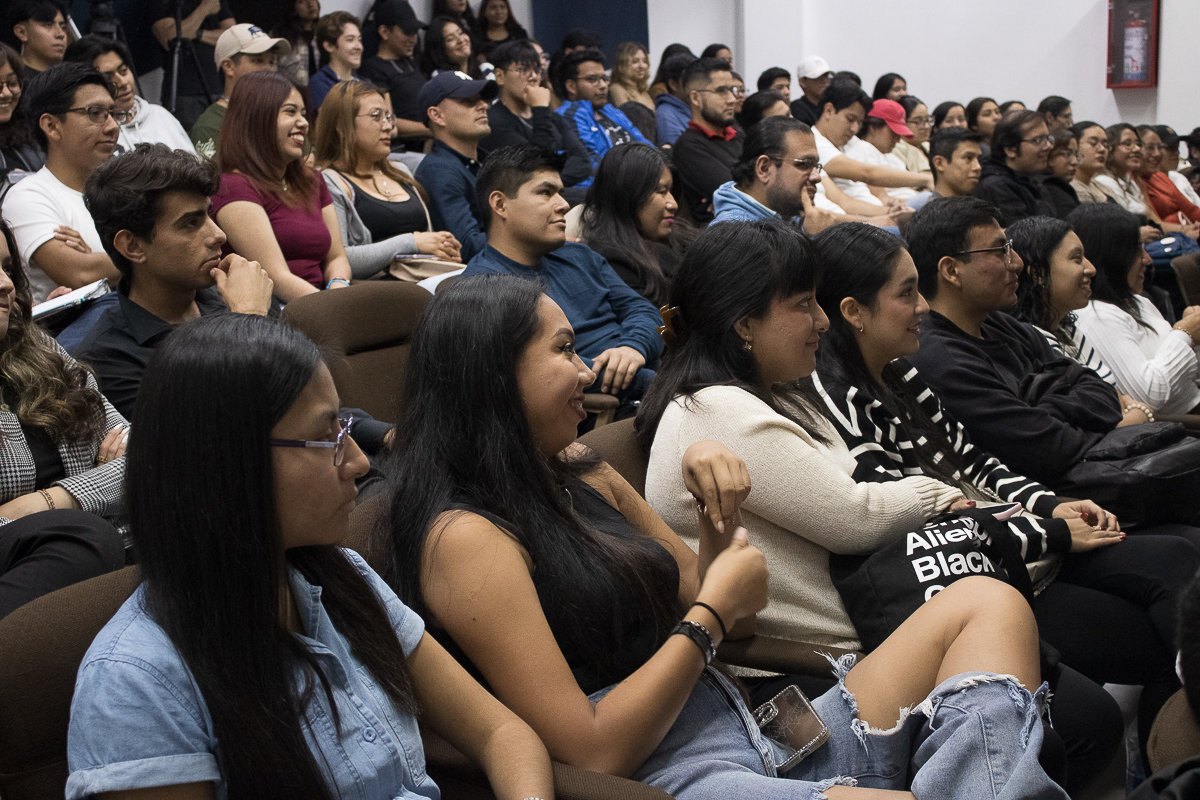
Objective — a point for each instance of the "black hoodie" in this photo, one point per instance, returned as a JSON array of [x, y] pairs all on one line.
[[1016, 195]]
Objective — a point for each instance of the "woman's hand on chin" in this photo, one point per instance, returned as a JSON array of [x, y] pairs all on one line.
[[718, 479]]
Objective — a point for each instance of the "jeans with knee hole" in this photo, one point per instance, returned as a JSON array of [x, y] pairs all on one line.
[[976, 736]]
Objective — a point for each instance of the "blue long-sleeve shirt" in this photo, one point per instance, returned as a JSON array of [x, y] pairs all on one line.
[[604, 311], [449, 178]]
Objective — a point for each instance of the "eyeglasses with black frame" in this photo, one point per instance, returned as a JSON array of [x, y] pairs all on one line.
[[1005, 248], [338, 444], [98, 115]]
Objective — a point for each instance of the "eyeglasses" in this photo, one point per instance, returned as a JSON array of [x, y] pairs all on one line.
[[338, 444], [1005, 248], [802, 164], [724, 91], [523, 70], [601, 78], [13, 85], [1066, 155], [98, 115], [380, 116], [1038, 141], [921, 122]]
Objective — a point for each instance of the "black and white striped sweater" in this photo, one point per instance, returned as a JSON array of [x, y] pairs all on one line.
[[884, 448]]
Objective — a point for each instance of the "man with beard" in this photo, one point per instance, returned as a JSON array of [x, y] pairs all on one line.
[[706, 152]]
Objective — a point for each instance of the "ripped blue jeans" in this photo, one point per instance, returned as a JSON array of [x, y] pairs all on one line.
[[977, 735]]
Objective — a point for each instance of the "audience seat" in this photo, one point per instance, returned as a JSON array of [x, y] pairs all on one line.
[[367, 330], [1175, 735], [1187, 273], [617, 445], [41, 646]]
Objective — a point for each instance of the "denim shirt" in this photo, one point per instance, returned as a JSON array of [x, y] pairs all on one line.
[[138, 719]]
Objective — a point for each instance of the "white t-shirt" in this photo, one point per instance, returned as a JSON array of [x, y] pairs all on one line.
[[864, 151], [827, 151], [33, 208], [152, 124]]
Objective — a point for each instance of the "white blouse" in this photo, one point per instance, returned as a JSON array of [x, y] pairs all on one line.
[[1152, 363]]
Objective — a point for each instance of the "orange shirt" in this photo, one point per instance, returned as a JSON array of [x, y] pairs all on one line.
[[1167, 200]]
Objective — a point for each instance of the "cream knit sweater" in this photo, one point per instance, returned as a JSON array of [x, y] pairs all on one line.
[[803, 504]]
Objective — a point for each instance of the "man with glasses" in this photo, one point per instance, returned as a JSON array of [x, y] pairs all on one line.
[[706, 152], [977, 358], [523, 116], [777, 176], [74, 117], [601, 126], [1012, 178], [395, 68]]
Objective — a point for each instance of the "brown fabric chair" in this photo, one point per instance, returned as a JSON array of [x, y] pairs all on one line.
[[1175, 735], [617, 445], [1187, 273], [367, 329], [41, 647]]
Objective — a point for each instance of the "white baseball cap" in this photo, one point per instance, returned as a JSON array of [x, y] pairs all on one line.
[[247, 38], [813, 67]]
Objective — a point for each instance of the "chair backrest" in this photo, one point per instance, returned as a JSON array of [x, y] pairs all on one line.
[[367, 330], [42, 645], [1175, 735], [617, 444], [1187, 274]]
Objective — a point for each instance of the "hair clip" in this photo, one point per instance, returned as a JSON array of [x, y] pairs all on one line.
[[672, 318]]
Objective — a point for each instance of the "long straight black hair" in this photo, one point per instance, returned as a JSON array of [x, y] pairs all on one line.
[[462, 437], [208, 535], [627, 177], [1035, 239], [1112, 241], [730, 273], [859, 260]]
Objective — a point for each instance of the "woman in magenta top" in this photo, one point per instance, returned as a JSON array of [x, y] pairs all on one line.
[[273, 207]]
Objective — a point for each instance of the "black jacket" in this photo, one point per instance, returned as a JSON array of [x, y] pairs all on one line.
[[547, 129], [704, 163], [1061, 194], [1016, 195], [981, 383]]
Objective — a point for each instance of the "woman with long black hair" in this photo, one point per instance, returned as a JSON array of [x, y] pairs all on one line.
[[257, 659], [62, 448], [629, 218], [1092, 585], [594, 622]]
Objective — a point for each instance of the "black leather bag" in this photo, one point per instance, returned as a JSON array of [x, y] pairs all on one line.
[[1147, 473], [882, 589]]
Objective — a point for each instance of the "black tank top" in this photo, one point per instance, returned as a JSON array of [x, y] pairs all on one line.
[[386, 219], [612, 617]]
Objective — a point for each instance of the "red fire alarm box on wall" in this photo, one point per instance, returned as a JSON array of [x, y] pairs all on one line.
[[1132, 44]]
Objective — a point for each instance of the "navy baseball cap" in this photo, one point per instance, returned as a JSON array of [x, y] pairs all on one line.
[[457, 85]]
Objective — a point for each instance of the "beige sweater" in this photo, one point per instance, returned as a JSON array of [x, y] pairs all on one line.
[[803, 504]]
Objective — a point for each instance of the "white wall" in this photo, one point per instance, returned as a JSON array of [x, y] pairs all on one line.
[[952, 49]]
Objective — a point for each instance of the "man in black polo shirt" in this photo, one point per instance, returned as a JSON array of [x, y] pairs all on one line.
[[706, 152], [151, 210], [395, 68]]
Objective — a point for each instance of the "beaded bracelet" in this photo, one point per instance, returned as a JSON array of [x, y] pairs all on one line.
[[699, 636], [46, 496], [1142, 407]]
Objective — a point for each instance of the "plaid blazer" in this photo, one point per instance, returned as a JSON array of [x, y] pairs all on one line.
[[98, 489]]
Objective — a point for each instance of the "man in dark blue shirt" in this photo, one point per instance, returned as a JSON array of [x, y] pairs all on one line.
[[616, 330], [455, 109]]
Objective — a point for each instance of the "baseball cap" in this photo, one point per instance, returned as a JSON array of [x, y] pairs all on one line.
[[892, 113], [813, 67], [247, 38], [458, 85], [398, 12]]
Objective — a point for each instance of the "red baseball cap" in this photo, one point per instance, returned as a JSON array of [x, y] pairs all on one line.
[[892, 113]]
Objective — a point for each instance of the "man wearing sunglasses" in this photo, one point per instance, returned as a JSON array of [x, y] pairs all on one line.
[[74, 117], [983, 363], [1012, 178], [706, 152]]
